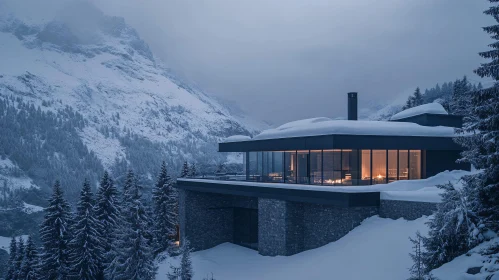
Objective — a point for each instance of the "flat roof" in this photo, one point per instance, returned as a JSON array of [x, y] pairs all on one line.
[[337, 196]]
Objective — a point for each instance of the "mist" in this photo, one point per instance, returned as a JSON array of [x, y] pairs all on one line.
[[286, 60]]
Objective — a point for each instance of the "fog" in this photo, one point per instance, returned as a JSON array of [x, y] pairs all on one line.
[[285, 60]]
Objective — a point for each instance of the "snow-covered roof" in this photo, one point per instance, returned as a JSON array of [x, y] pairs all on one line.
[[430, 108], [236, 138], [325, 126]]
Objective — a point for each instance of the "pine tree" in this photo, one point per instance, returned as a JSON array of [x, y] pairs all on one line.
[[11, 272], [414, 100], [30, 262], [55, 235], [459, 105], [185, 170], [19, 256], [165, 216], [107, 213], [193, 171], [453, 227], [418, 98], [135, 259], [482, 145], [417, 269], [85, 246], [186, 272]]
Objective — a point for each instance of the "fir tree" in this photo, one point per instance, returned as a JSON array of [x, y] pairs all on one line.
[[459, 105], [481, 142], [418, 98], [11, 271], [107, 213], [414, 100], [19, 256], [165, 216], [185, 170], [193, 171], [55, 235], [417, 269], [186, 272], [30, 262], [85, 251], [135, 259], [453, 227]]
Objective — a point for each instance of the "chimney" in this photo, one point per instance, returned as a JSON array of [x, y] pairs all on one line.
[[352, 106]]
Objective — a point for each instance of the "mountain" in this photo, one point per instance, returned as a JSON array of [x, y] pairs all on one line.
[[81, 92]]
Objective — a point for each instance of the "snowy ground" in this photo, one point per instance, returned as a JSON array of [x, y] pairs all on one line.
[[377, 249]]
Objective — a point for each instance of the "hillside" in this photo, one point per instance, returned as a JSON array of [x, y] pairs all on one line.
[[89, 82]]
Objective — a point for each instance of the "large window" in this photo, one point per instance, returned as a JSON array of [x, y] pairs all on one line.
[[403, 164], [365, 175], [253, 166], [290, 166], [379, 166], [335, 167], [349, 167], [415, 164], [316, 167], [392, 165], [302, 167], [332, 167], [277, 167]]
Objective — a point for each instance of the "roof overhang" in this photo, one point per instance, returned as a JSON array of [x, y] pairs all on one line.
[[293, 193], [342, 142]]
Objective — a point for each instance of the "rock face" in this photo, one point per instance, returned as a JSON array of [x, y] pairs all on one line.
[[136, 111]]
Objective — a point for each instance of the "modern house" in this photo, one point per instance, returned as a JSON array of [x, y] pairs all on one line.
[[300, 185]]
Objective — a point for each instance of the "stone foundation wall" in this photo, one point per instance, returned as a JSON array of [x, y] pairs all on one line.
[[409, 210], [324, 224], [207, 219]]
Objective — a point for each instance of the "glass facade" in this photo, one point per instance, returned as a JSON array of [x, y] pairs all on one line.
[[346, 167], [379, 167], [316, 167], [290, 166]]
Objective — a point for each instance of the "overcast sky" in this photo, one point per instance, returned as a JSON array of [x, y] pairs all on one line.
[[290, 59]]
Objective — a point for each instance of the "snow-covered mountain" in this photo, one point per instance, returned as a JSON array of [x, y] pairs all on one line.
[[134, 109]]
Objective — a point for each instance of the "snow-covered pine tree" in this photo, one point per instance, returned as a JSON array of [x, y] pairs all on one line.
[[165, 215], [107, 213], [185, 170], [19, 256], [452, 229], [30, 262], [417, 269], [11, 271], [459, 104], [85, 246], [55, 235], [186, 272], [418, 98], [193, 172], [135, 259], [483, 150]]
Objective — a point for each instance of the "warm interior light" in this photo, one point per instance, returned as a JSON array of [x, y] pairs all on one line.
[[379, 177]]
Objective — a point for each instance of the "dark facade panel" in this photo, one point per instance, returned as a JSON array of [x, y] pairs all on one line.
[[342, 142], [341, 199], [435, 120], [439, 161], [394, 142]]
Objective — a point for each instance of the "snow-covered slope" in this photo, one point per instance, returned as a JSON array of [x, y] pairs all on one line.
[[377, 249], [99, 66]]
